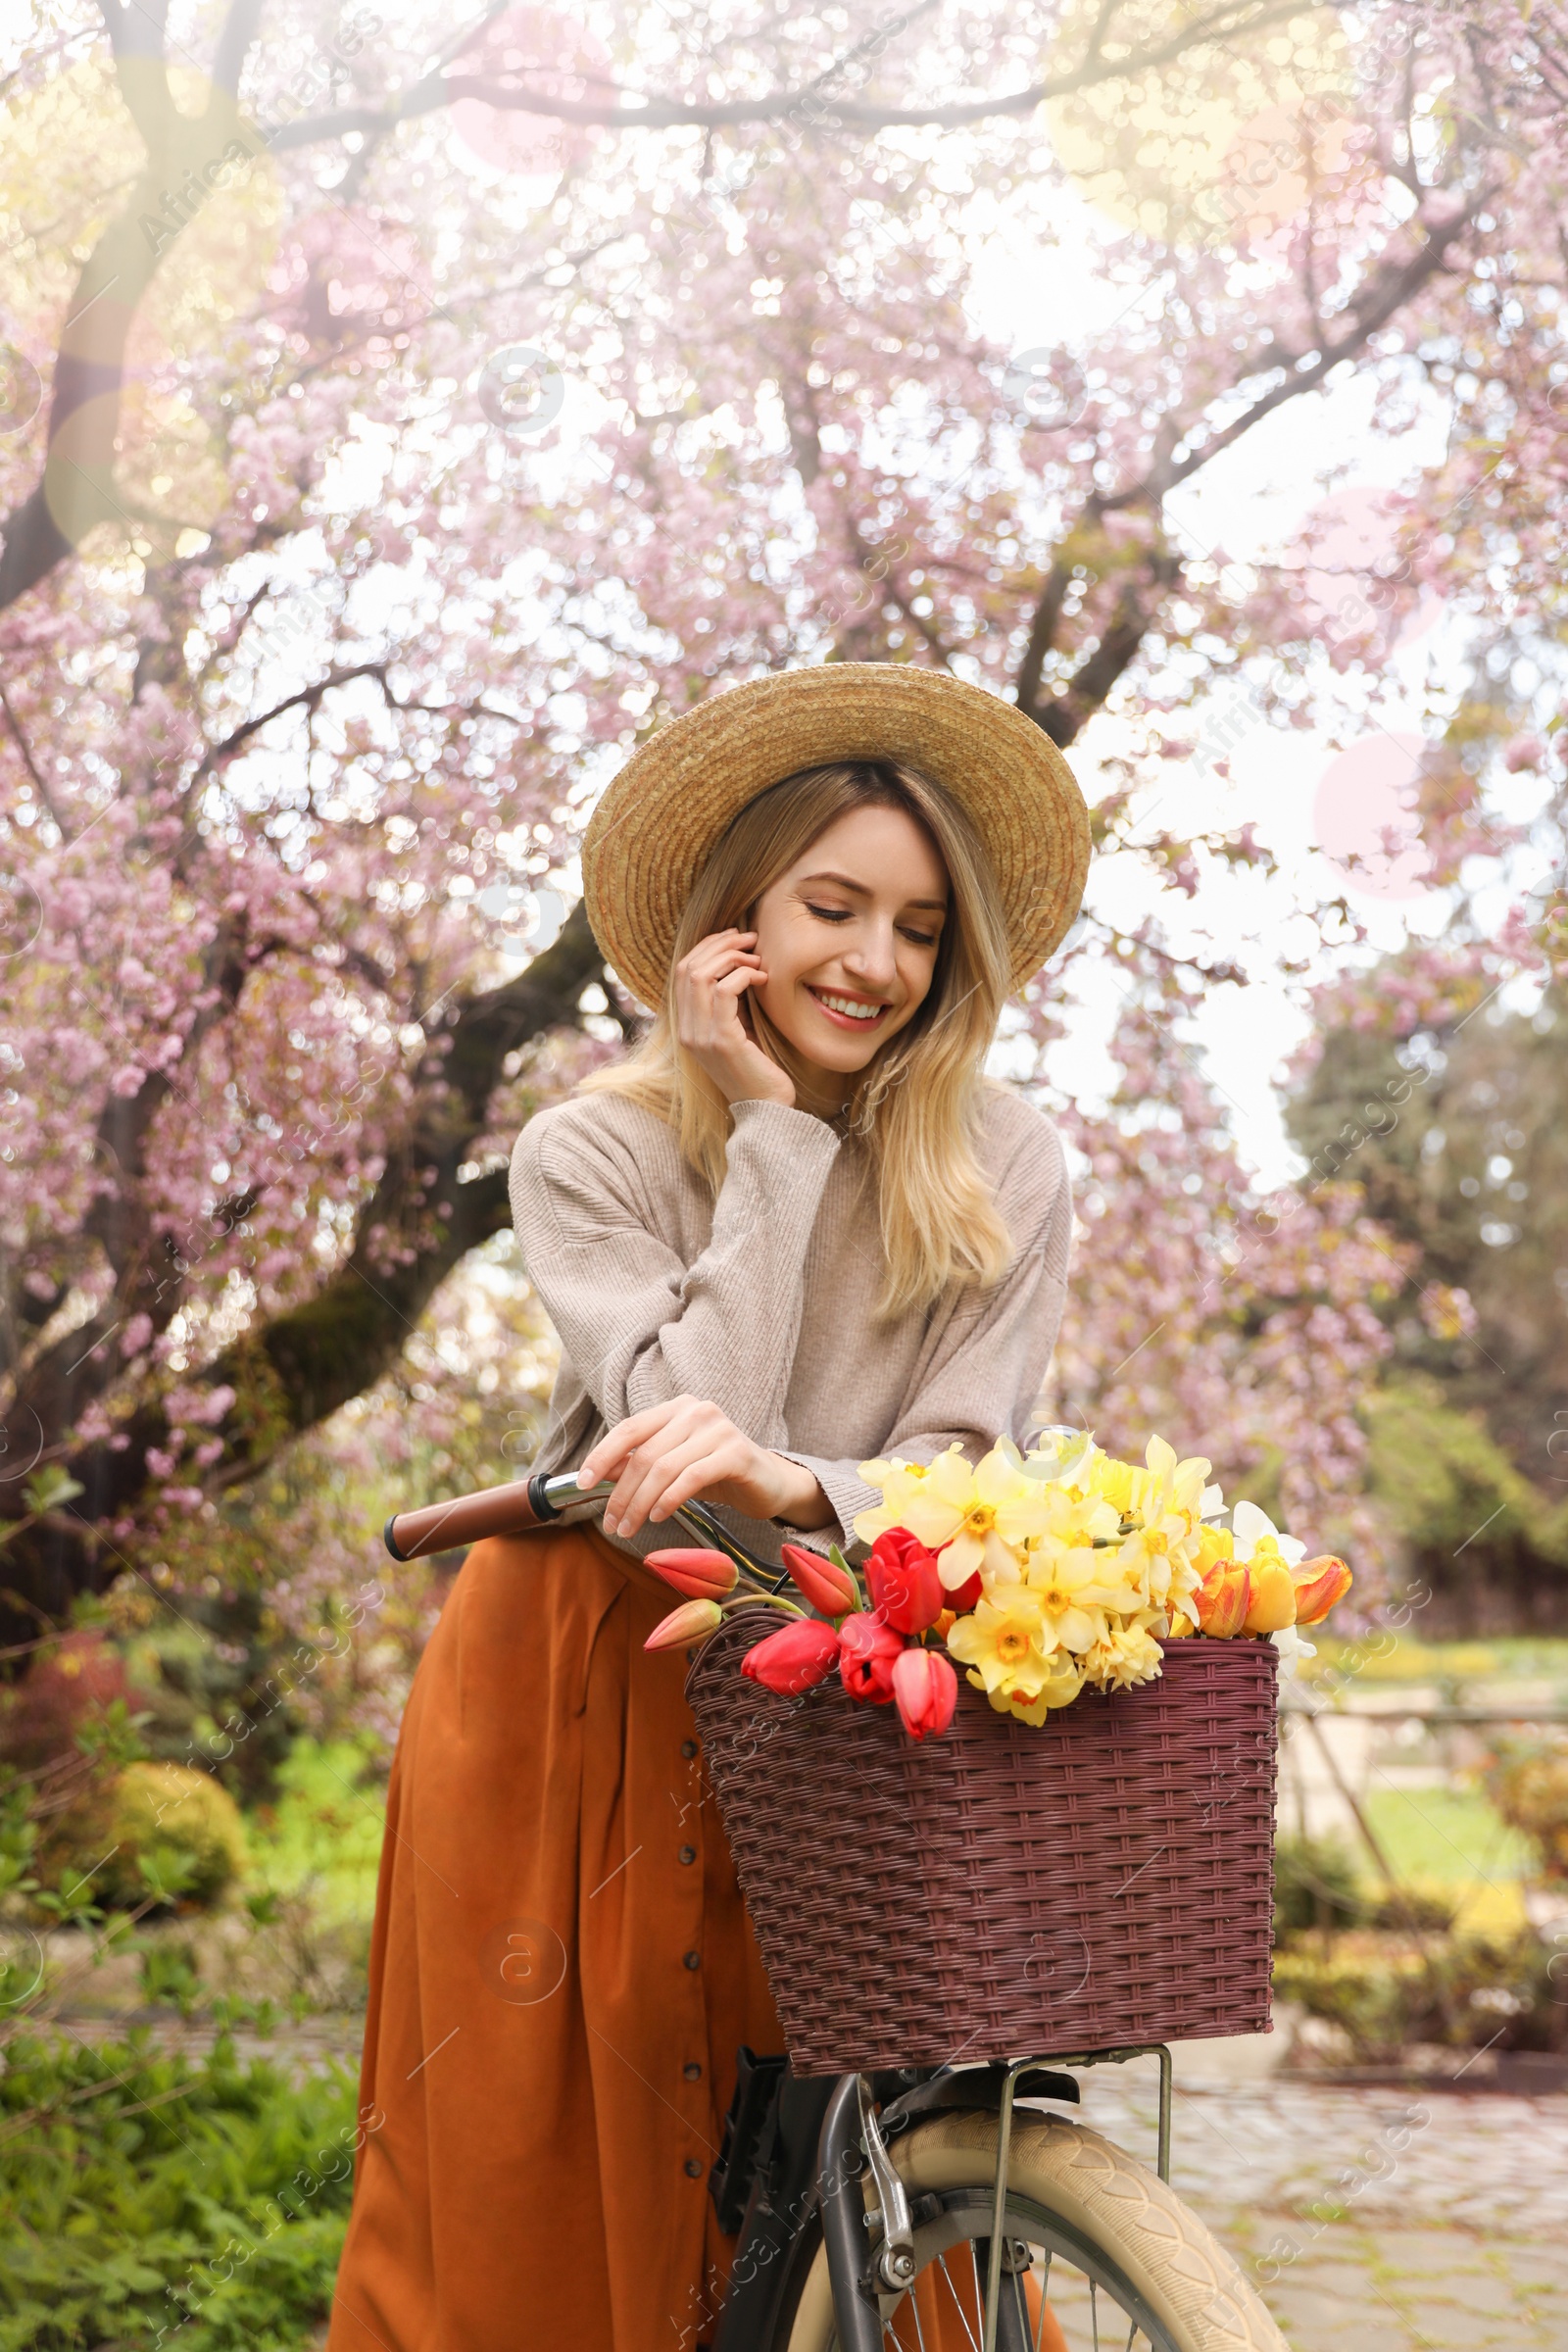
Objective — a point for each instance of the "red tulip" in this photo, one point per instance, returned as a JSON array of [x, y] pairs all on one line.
[[705, 1575], [902, 1576], [1319, 1584], [965, 1597], [866, 1650], [926, 1690], [827, 1587], [689, 1623], [794, 1658]]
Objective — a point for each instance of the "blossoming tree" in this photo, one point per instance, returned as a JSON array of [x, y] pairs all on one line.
[[397, 423]]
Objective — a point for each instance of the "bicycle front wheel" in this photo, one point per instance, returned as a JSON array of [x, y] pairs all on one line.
[[1099, 2252]]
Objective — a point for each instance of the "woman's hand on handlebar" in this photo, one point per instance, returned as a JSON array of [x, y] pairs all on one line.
[[710, 984], [674, 1452]]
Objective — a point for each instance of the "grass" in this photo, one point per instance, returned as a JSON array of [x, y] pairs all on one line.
[[323, 1831], [1453, 1840], [1523, 1657], [146, 2201]]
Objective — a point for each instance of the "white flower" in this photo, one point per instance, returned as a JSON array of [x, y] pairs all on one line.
[[1249, 1526], [1292, 1649]]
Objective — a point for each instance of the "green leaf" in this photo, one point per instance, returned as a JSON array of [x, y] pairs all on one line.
[[50, 1487]]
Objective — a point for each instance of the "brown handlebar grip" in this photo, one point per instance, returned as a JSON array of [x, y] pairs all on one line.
[[445, 1526]]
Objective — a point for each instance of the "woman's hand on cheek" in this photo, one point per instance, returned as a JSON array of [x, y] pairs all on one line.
[[675, 1452], [710, 984]]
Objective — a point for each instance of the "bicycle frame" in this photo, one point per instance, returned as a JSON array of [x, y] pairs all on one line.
[[870, 2252]]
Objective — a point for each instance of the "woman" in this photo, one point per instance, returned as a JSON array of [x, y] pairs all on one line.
[[793, 1230]]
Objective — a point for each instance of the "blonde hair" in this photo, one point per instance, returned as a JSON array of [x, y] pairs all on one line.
[[917, 1104]]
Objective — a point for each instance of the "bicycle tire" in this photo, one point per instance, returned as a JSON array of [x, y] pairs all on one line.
[[1151, 2250]]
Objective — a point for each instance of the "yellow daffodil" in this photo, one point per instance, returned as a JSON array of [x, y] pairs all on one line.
[[1073, 1589], [1125, 1655], [976, 1518], [1115, 1482], [1005, 1643], [1059, 1688], [1145, 1560], [1179, 1484], [1069, 1518]]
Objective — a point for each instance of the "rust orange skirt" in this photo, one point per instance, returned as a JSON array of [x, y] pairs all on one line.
[[561, 1973]]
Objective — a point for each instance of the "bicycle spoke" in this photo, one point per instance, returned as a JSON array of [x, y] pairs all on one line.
[[958, 2299], [1045, 2298], [1039, 2275]]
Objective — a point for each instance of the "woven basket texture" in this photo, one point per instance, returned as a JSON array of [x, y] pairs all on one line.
[[1004, 1891]]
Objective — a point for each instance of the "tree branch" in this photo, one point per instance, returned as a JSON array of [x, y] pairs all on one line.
[[31, 765], [307, 698], [1042, 634], [136, 40], [1228, 22], [311, 1360], [1387, 292]]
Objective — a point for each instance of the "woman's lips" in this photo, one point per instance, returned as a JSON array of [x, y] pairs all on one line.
[[829, 1006]]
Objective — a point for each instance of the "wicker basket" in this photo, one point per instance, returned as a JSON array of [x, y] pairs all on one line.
[[1002, 1891]]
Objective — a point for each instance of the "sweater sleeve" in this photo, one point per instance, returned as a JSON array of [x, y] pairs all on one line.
[[983, 1375], [639, 1326]]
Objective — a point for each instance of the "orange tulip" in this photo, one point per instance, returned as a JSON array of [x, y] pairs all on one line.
[[1273, 1602], [1319, 1584], [701, 1575], [827, 1587], [690, 1622], [1222, 1601]]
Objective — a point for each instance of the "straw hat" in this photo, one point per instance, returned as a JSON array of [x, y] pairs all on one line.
[[658, 823]]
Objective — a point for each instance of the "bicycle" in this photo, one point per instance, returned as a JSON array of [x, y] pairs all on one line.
[[898, 2207]]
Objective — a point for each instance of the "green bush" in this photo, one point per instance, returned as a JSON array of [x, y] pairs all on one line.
[[1527, 1780], [1465, 1992], [176, 1832], [1316, 1884], [139, 2195]]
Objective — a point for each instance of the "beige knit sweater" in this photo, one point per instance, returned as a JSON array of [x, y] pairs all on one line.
[[764, 1300]]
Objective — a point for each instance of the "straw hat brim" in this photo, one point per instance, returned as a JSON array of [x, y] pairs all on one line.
[[662, 818]]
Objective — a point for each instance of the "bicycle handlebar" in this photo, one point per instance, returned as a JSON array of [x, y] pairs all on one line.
[[525, 1503], [508, 1510]]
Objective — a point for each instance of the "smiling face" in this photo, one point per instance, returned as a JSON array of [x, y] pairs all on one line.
[[848, 936]]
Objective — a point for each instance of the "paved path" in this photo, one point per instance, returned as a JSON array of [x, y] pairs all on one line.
[[1373, 2220]]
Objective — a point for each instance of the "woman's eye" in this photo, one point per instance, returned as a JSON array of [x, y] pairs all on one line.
[[829, 915], [922, 939]]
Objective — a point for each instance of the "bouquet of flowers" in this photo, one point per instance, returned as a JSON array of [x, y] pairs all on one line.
[[1039, 1573]]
